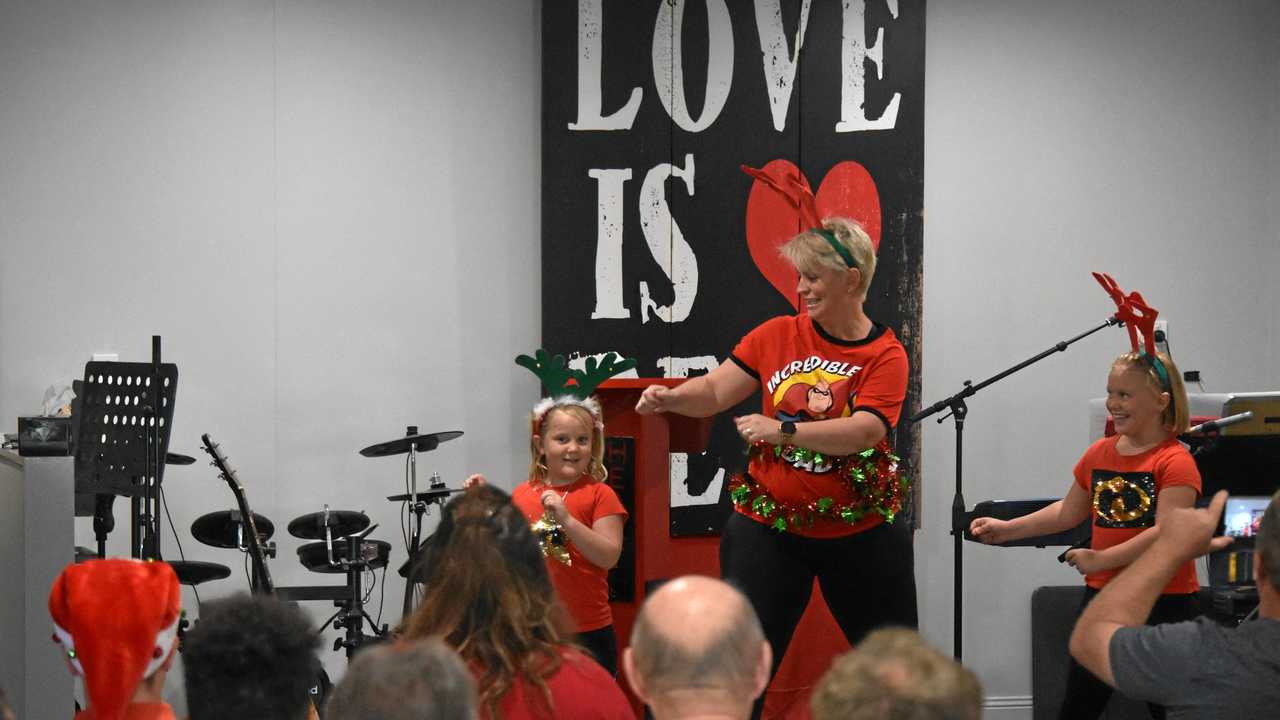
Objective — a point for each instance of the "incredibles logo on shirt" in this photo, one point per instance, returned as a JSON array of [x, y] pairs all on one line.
[[812, 389], [812, 365], [1124, 499]]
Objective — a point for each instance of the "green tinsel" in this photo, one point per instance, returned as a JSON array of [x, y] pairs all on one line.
[[872, 476], [763, 505]]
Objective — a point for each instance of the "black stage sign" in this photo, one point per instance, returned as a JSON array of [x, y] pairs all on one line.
[[649, 245]]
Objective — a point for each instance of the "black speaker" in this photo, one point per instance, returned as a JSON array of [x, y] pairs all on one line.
[[1053, 615]]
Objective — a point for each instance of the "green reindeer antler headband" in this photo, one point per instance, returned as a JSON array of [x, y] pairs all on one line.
[[567, 386]]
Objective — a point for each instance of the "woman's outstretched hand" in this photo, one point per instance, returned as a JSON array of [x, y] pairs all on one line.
[[653, 400]]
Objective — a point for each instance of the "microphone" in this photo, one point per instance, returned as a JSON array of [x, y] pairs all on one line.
[[1208, 427]]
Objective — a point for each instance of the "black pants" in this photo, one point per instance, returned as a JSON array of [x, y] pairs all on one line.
[[867, 579], [1086, 696], [603, 646]]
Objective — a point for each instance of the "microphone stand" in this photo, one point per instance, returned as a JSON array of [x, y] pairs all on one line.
[[149, 519], [959, 515]]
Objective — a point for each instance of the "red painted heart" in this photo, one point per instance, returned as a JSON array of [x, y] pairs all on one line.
[[847, 191]]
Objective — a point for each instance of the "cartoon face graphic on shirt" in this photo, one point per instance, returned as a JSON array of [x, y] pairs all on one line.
[[818, 399], [812, 396], [1123, 499]]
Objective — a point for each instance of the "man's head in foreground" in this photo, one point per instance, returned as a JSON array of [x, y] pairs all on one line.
[[697, 646]]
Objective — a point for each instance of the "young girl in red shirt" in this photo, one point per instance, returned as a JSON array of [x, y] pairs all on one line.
[[1125, 482], [566, 488]]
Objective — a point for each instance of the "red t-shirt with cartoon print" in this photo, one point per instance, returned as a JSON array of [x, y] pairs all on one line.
[[583, 587], [807, 374], [1123, 494]]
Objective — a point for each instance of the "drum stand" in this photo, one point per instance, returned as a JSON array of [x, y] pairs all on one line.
[[351, 614], [419, 508], [418, 503]]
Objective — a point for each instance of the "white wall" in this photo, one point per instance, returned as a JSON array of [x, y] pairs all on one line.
[[1138, 138], [330, 212]]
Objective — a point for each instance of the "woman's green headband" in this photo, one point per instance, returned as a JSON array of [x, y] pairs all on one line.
[[836, 245]]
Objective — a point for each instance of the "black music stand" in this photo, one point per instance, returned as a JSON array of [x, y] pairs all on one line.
[[123, 423]]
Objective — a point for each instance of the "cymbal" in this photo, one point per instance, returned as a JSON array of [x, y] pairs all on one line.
[[426, 495], [421, 443], [84, 553], [343, 523], [219, 529], [178, 459], [314, 556], [194, 572]]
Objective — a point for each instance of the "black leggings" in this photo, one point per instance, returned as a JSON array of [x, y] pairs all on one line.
[[602, 644], [1086, 696], [867, 579]]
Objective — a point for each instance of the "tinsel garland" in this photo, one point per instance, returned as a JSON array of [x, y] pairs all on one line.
[[872, 475]]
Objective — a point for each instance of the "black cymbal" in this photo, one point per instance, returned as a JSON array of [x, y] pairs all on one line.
[[421, 443], [194, 572], [221, 529], [178, 459], [84, 553], [426, 495], [343, 522], [314, 556]]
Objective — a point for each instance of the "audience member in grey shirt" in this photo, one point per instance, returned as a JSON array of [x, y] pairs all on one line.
[[1195, 669]]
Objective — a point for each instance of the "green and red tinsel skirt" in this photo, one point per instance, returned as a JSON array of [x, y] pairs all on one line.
[[872, 477]]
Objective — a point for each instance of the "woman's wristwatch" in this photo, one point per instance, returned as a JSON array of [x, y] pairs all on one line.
[[788, 431]]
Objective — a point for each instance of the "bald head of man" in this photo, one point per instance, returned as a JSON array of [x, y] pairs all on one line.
[[697, 647]]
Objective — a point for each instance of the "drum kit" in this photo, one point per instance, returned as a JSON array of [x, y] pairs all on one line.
[[338, 543]]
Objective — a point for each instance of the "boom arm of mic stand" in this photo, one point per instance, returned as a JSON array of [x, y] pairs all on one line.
[[971, 389]]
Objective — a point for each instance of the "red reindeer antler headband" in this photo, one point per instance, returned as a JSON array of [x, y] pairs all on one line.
[[800, 197], [1138, 318]]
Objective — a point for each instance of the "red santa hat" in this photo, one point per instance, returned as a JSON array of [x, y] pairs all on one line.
[[117, 620]]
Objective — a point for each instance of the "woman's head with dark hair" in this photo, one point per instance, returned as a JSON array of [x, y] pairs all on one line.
[[488, 594], [250, 656]]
